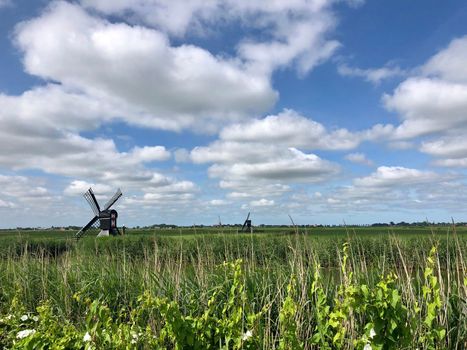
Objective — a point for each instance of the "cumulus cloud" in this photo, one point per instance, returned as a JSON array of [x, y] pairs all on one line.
[[58, 151], [449, 63], [434, 101], [150, 153], [386, 176], [136, 71], [372, 75], [433, 105], [274, 149], [269, 175], [24, 192], [262, 203], [294, 166], [41, 130], [293, 32], [384, 188], [241, 189], [218, 202], [78, 187], [271, 153], [174, 17], [451, 151], [427, 106], [273, 135], [291, 129], [6, 204]]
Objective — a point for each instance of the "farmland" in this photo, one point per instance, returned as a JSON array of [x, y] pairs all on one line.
[[200, 288]]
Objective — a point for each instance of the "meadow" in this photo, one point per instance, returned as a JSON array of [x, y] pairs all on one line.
[[212, 288]]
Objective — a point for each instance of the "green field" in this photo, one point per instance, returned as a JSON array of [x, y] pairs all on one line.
[[210, 288]]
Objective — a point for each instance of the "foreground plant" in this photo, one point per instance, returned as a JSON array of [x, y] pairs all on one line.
[[353, 315]]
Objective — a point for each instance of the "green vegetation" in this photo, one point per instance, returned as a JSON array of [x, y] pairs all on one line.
[[313, 288]]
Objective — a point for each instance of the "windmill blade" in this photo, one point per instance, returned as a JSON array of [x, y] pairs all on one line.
[[83, 230], [243, 227], [244, 224], [91, 199], [112, 200]]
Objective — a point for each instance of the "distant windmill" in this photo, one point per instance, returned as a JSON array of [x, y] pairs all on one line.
[[107, 217], [247, 225]]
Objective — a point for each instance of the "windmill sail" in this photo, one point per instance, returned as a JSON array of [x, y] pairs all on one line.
[[246, 221], [112, 200], [91, 199], [83, 230]]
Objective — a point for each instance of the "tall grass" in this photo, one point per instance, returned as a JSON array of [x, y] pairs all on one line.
[[306, 291]]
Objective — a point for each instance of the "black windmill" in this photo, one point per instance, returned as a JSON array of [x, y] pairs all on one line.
[[107, 217], [247, 225]]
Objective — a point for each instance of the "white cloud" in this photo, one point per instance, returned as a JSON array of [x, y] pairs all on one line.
[[300, 42], [433, 102], [271, 174], [266, 154], [452, 162], [150, 153], [218, 202], [388, 187], [451, 150], [358, 158], [452, 147], [294, 32], [24, 192], [78, 187], [174, 17], [294, 166], [385, 177], [6, 204], [449, 63], [434, 105], [292, 130], [40, 130], [427, 106], [372, 75], [136, 71], [247, 189], [262, 203]]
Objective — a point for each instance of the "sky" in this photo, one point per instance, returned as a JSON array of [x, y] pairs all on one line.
[[330, 111]]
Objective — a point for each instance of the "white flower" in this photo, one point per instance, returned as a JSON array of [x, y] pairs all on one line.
[[133, 341], [35, 318], [372, 333], [25, 333], [247, 335], [367, 347], [24, 318], [134, 335], [9, 317], [87, 337]]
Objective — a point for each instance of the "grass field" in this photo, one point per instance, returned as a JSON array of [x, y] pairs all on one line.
[[192, 288]]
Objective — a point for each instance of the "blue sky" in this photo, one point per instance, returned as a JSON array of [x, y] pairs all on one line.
[[326, 110]]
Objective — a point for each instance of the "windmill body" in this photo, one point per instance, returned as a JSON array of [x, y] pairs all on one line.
[[247, 225], [108, 223], [107, 217]]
